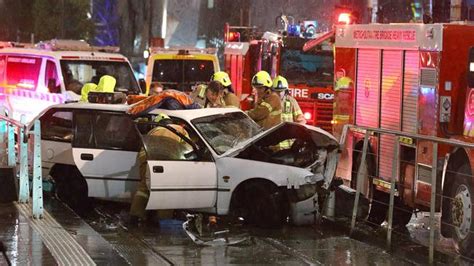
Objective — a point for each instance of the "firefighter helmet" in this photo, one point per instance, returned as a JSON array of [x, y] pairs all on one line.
[[280, 83], [222, 77], [262, 79], [160, 117]]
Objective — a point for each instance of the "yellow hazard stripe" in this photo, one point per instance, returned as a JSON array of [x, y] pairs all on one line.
[[275, 112], [267, 105]]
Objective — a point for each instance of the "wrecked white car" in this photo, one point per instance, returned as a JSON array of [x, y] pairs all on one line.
[[227, 164]]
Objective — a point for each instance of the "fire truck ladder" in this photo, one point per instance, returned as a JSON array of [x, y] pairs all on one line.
[[398, 136], [8, 127]]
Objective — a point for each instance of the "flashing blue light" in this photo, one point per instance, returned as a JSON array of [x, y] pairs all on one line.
[[293, 30]]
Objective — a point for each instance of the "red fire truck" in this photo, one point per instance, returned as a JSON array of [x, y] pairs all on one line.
[[309, 72], [410, 78]]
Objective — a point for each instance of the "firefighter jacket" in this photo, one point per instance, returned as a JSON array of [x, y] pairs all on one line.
[[267, 112], [228, 100], [291, 111]]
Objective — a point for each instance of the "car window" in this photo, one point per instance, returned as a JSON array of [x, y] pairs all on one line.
[[163, 143], [57, 125], [115, 131], [83, 137], [105, 130]]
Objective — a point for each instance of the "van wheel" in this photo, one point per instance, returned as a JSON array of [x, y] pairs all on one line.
[[71, 188], [460, 212]]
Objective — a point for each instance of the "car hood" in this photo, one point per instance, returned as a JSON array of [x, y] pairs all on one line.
[[320, 137]]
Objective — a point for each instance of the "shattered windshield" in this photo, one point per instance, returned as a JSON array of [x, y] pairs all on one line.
[[78, 72], [226, 131], [182, 71], [314, 69]]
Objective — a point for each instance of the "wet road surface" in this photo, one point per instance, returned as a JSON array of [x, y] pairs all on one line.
[[103, 234], [324, 244]]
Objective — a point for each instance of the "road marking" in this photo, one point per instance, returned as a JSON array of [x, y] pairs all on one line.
[[61, 244]]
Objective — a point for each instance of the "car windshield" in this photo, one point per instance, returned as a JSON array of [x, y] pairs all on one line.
[[182, 71], [312, 68], [79, 72], [226, 131]]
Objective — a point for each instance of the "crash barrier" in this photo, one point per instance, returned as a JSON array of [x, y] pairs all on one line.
[[8, 156], [445, 177]]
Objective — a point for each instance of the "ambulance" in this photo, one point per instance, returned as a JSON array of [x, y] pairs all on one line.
[[53, 72]]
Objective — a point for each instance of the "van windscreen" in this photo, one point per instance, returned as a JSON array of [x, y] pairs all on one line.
[[78, 72], [182, 71]]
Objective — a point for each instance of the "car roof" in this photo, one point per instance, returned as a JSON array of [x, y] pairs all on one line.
[[187, 114], [191, 114], [93, 106], [89, 55]]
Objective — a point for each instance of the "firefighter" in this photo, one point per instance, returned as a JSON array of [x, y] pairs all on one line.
[[163, 145], [267, 112], [224, 98], [229, 94], [291, 111], [213, 95]]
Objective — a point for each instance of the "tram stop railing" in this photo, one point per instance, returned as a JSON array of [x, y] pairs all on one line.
[[436, 197], [12, 146]]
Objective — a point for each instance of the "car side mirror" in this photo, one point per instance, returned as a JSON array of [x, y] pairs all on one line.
[[52, 86], [142, 84]]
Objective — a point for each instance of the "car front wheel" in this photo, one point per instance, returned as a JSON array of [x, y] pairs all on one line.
[[263, 205]]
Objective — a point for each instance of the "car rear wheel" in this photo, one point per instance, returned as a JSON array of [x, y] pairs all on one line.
[[71, 188]]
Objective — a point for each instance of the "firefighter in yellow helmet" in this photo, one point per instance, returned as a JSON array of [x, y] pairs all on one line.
[[267, 112], [291, 111], [162, 144], [218, 93]]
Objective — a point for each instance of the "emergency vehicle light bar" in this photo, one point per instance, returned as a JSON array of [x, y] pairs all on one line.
[[180, 49], [74, 45]]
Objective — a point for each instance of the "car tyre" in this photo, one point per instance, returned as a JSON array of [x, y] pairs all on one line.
[[71, 188], [261, 204]]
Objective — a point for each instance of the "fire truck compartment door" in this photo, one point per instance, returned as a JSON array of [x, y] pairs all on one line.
[[182, 184], [390, 107], [368, 87]]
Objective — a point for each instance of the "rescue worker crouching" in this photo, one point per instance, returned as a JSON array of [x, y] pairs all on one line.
[[162, 144], [291, 111], [267, 112]]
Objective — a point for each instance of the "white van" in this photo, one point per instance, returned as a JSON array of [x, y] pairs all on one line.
[[54, 72]]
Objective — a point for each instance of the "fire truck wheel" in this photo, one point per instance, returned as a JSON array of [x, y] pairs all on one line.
[[461, 212], [378, 207], [71, 188], [378, 211], [401, 213], [261, 204]]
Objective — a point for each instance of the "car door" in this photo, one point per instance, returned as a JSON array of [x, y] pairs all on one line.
[[180, 176], [105, 151]]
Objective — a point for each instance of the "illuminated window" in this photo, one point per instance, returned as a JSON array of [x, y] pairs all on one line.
[[23, 71]]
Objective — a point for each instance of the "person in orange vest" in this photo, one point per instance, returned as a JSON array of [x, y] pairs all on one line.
[[267, 112]]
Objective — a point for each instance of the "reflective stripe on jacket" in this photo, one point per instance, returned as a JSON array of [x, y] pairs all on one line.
[[267, 113]]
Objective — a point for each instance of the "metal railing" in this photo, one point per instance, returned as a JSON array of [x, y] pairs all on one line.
[[446, 174], [8, 128]]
